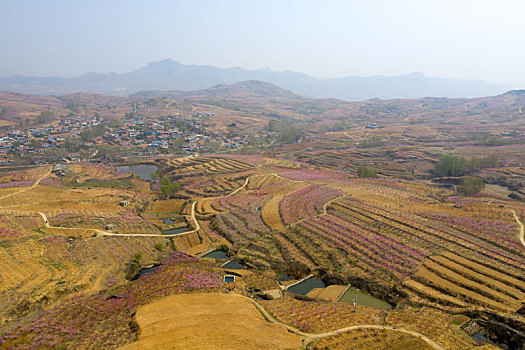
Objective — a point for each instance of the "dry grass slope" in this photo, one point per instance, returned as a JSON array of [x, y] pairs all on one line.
[[208, 321]]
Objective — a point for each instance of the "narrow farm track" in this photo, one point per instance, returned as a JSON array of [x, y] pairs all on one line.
[[310, 337], [239, 189], [29, 188], [196, 223], [98, 231], [325, 206], [522, 228]]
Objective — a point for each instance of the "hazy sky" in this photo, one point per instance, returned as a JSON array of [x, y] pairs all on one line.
[[447, 38]]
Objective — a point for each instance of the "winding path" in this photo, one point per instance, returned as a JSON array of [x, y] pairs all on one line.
[[240, 188], [31, 187], [522, 229], [196, 223], [325, 206], [96, 230], [310, 337]]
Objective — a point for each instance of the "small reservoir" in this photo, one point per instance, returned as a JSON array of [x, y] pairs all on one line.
[[304, 287], [148, 270], [216, 254], [364, 299], [167, 221], [232, 265], [142, 170], [176, 231]]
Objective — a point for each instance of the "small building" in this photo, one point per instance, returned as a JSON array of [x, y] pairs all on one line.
[[228, 278], [59, 169]]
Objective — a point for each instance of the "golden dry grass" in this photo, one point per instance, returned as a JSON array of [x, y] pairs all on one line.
[[270, 212], [167, 206], [331, 293], [208, 321]]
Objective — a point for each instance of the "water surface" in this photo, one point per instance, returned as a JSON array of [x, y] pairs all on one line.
[[142, 170], [148, 270], [216, 254], [306, 286], [233, 265], [364, 299], [176, 231]]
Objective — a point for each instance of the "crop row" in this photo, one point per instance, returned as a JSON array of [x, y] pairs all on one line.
[[432, 235], [306, 202], [495, 231], [375, 250]]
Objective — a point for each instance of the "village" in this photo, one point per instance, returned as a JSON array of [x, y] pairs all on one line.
[[74, 136]]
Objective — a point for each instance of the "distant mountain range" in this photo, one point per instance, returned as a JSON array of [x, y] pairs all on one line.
[[171, 75]]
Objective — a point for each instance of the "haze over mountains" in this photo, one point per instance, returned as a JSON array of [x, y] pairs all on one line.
[[170, 75]]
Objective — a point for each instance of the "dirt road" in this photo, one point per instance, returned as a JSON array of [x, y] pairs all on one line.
[[31, 187], [310, 337], [240, 188], [522, 229]]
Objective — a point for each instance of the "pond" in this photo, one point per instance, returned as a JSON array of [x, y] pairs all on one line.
[[142, 170], [233, 265], [216, 254], [304, 287], [176, 231], [148, 270], [167, 221], [364, 299], [481, 339]]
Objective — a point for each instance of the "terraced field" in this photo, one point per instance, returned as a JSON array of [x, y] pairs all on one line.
[[42, 261], [36, 269], [198, 166], [230, 321], [402, 241], [392, 232]]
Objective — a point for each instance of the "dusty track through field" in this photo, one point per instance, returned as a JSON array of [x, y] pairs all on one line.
[[522, 229], [310, 337], [196, 223], [240, 188], [31, 187], [325, 206]]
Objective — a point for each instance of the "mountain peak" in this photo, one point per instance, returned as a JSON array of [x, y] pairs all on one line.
[[515, 92], [166, 61]]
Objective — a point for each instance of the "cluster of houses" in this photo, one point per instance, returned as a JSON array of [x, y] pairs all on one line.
[[141, 135]]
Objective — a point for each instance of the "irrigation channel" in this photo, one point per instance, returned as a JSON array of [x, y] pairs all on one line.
[[142, 170]]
